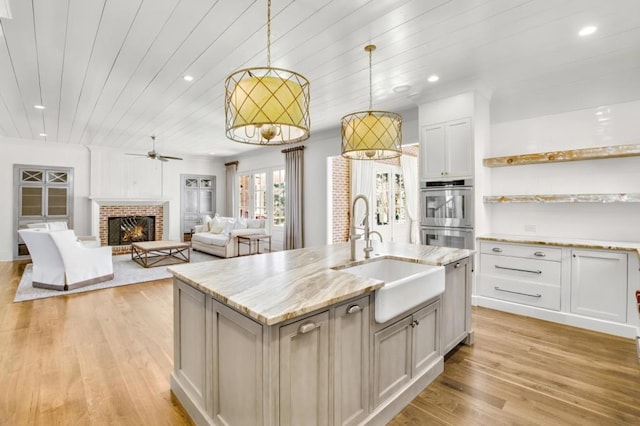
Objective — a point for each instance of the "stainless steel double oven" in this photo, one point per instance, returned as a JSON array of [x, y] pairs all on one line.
[[446, 209]]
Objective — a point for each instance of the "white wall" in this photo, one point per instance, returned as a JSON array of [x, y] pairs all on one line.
[[100, 172], [614, 124]]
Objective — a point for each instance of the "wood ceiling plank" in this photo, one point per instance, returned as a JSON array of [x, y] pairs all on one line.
[[50, 36], [116, 21], [171, 37], [82, 29], [19, 37], [14, 122]]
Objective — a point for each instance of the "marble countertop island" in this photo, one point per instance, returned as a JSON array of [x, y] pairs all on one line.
[[275, 287]]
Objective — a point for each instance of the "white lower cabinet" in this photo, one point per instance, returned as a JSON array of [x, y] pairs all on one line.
[[236, 367], [580, 287], [304, 371], [351, 372], [599, 284], [456, 304], [404, 349]]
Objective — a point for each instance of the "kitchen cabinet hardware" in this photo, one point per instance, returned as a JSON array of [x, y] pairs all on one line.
[[496, 250], [539, 254], [518, 269], [537, 295], [457, 265], [353, 309], [306, 327]]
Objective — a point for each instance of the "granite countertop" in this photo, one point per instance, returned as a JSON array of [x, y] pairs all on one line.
[[565, 242], [274, 287]]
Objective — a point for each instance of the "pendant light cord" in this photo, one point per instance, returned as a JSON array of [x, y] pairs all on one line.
[[370, 82], [268, 33]]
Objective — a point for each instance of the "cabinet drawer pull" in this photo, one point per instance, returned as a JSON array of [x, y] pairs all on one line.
[[353, 309], [517, 269], [457, 265], [537, 295], [539, 254], [306, 327], [496, 250]]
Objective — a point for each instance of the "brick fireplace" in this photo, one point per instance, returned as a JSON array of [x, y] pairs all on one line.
[[103, 209]]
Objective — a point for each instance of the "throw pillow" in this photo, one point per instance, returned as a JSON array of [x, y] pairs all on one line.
[[230, 225], [217, 226], [241, 223], [206, 221]]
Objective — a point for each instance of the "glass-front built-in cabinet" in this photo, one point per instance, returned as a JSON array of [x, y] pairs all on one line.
[[42, 194]]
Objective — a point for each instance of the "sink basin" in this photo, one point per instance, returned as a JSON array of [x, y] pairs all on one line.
[[407, 284]]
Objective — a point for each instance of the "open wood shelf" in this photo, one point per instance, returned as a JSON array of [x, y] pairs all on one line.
[[563, 198], [618, 151]]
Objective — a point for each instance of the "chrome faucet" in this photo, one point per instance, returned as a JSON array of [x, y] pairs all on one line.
[[367, 233]]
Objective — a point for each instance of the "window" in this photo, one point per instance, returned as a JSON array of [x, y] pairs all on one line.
[[382, 198], [399, 197], [278, 197], [261, 195]]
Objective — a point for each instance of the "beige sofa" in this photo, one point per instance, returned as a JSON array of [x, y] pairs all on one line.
[[218, 235]]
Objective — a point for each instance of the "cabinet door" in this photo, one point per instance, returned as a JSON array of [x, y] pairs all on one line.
[[599, 284], [304, 371], [426, 338], [391, 359], [459, 148], [236, 348], [189, 340], [455, 305], [432, 153], [351, 400]]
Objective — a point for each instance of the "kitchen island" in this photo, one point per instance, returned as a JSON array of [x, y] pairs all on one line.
[[290, 338]]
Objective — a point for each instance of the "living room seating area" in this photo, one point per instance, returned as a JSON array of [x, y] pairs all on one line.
[[218, 235]]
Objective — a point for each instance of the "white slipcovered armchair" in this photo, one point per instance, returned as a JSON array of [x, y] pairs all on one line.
[[60, 262]]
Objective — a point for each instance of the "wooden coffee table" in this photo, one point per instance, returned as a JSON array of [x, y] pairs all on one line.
[[158, 253]]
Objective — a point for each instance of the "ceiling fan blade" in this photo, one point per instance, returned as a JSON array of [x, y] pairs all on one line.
[[137, 155], [161, 158], [168, 157]]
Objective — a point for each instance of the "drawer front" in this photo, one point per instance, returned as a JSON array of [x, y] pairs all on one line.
[[522, 250], [540, 271], [523, 292]]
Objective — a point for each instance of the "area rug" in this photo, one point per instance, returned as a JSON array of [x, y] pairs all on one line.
[[125, 272]]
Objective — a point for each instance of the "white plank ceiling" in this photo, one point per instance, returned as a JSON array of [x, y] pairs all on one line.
[[110, 72]]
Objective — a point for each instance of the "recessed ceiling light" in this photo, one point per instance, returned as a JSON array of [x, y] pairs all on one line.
[[433, 78], [588, 30], [187, 78], [43, 134], [402, 88], [39, 106]]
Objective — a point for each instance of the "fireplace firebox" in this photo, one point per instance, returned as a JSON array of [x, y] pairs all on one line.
[[131, 229]]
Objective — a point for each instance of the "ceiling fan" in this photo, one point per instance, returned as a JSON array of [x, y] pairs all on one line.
[[154, 155]]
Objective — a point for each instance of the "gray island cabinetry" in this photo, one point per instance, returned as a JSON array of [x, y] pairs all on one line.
[[284, 339]]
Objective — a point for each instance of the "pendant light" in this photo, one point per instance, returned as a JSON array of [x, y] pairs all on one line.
[[266, 105], [371, 135]]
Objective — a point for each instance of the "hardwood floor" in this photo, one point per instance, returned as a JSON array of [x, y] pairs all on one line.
[[104, 357]]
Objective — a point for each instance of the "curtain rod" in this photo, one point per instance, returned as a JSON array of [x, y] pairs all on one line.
[[295, 148], [230, 163]]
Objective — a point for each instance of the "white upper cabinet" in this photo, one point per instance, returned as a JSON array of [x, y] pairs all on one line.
[[446, 150]]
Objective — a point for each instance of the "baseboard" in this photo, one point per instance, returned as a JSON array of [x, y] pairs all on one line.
[[594, 324], [197, 414], [390, 408]]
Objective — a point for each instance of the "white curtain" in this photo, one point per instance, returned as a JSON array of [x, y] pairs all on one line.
[[409, 166], [231, 177], [293, 174], [362, 183]]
